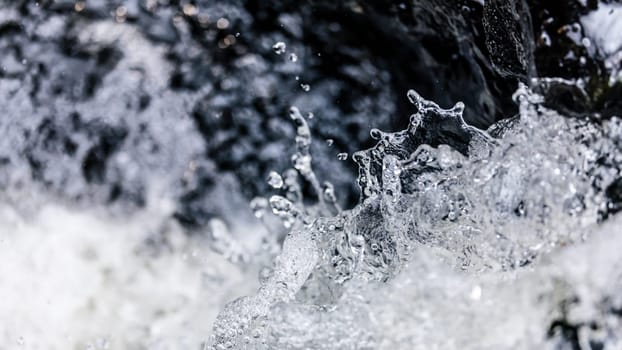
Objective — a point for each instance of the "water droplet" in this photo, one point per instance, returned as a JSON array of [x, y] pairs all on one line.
[[275, 180], [302, 163], [279, 48], [190, 10], [293, 57], [79, 6], [342, 156], [222, 23], [329, 142], [305, 87], [284, 209]]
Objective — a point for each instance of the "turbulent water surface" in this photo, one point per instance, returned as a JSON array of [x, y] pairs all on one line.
[[498, 248], [228, 175]]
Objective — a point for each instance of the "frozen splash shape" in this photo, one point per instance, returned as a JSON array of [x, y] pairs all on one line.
[[448, 212]]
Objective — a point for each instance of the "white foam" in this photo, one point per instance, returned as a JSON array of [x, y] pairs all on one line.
[[72, 279]]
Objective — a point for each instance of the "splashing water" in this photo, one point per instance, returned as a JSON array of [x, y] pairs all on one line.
[[462, 239]]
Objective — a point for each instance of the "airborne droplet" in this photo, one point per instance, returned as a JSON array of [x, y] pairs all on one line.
[[279, 48], [275, 180]]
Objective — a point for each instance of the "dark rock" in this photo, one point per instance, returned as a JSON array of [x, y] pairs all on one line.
[[509, 38]]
